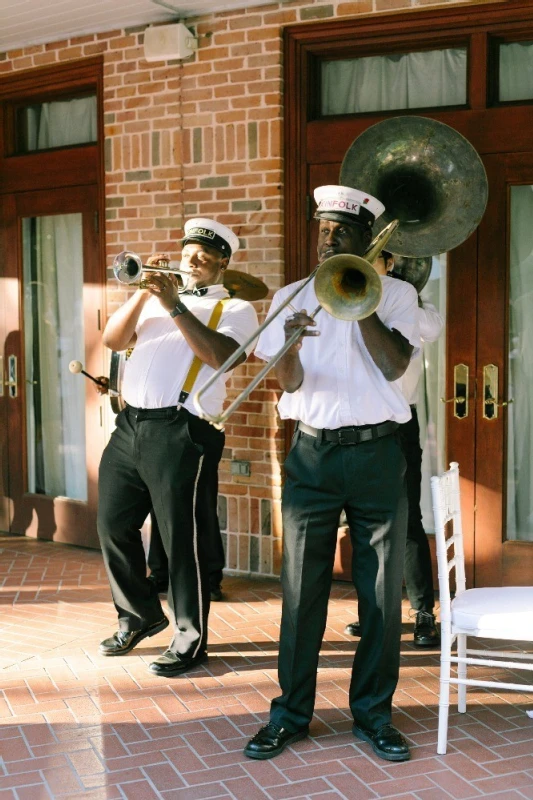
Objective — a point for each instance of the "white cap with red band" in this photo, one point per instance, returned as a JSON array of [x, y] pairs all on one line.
[[344, 204], [208, 231]]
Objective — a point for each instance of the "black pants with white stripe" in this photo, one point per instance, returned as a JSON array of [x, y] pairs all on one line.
[[206, 521], [153, 460], [368, 481]]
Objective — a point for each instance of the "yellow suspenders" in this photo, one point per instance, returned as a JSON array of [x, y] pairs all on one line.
[[197, 364]]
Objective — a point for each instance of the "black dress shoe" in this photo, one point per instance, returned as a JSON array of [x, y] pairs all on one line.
[[216, 593], [170, 663], [426, 633], [271, 740], [161, 584], [386, 742], [123, 641], [353, 629]]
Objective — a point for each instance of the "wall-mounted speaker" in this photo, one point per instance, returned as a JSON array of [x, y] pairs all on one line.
[[169, 42]]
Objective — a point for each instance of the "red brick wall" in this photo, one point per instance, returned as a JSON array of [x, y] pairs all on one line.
[[204, 137]]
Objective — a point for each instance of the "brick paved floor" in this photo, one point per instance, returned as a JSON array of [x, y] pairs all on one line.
[[74, 724]]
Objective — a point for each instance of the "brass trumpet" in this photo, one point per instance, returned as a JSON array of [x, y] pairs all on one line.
[[128, 268]]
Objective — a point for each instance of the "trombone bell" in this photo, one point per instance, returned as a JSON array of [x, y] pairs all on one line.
[[348, 287]]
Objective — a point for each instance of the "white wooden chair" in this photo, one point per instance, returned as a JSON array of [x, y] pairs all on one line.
[[491, 613]]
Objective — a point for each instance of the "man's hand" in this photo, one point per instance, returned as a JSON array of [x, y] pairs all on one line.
[[298, 320], [155, 258], [165, 287], [161, 260], [288, 369], [102, 387]]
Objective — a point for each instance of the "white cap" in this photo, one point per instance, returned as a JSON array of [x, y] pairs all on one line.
[[214, 234], [344, 204]]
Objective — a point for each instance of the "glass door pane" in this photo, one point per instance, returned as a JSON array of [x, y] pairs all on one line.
[[54, 336], [520, 368]]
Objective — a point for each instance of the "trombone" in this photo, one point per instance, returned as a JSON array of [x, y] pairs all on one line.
[[347, 286], [128, 268]]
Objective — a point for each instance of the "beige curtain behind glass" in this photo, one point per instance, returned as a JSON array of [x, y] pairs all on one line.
[[61, 123], [516, 71], [53, 331], [520, 379], [383, 83]]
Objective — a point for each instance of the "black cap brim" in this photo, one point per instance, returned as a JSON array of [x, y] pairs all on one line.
[[217, 243]]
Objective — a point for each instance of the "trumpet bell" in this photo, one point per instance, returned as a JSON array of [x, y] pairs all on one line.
[[127, 267], [348, 287], [427, 175]]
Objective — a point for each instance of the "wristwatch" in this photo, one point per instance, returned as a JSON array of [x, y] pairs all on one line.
[[179, 308]]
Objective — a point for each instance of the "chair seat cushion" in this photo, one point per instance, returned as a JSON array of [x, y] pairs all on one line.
[[500, 612]]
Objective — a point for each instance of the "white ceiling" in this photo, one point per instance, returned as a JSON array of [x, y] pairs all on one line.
[[26, 22]]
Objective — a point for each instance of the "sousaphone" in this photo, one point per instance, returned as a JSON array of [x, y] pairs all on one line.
[[427, 175]]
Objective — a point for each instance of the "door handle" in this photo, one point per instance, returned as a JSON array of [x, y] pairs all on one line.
[[460, 391], [490, 392], [11, 382]]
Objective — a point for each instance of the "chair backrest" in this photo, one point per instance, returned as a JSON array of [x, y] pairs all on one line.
[[447, 509]]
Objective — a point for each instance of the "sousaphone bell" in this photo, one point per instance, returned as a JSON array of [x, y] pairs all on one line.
[[427, 175]]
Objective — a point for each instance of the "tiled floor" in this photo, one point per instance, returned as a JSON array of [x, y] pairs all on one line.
[[75, 724]]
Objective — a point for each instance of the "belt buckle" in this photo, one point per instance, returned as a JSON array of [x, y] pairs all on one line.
[[348, 437]]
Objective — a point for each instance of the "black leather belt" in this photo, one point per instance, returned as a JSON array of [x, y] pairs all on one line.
[[153, 413], [350, 435]]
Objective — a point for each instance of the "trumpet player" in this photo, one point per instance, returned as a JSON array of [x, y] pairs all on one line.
[[338, 385], [154, 457]]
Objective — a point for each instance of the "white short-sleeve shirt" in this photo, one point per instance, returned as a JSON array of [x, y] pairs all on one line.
[[431, 324], [156, 370], [342, 385]]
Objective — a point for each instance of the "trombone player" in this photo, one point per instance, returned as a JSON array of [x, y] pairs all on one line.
[[338, 385]]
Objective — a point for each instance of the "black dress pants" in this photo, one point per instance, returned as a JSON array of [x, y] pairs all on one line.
[[206, 522], [153, 460], [368, 480], [417, 566]]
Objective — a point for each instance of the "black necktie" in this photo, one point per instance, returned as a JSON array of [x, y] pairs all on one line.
[[196, 292]]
